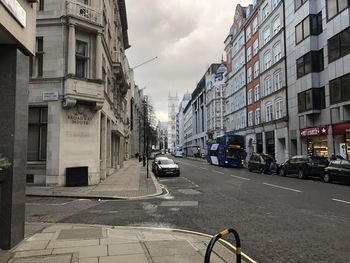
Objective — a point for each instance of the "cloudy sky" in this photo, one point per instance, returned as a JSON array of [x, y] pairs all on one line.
[[186, 36]]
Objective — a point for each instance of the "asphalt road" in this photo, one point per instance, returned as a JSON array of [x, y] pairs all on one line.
[[279, 219]]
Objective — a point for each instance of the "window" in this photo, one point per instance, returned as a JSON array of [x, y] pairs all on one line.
[[298, 3], [268, 112], [274, 3], [257, 116], [248, 33], [312, 99], [249, 54], [250, 97], [255, 25], [249, 75], [311, 25], [276, 52], [257, 93], [266, 35], [267, 86], [340, 89], [276, 25], [256, 69], [277, 80], [39, 57], [265, 12], [81, 59], [255, 47], [310, 62], [278, 109], [37, 134], [334, 7], [267, 60], [250, 118], [40, 5], [339, 45]]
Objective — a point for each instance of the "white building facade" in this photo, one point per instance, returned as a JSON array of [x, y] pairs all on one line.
[[79, 94]]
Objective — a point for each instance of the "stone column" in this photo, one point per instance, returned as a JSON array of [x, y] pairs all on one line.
[[71, 50], [103, 147], [98, 56], [14, 78], [264, 142], [330, 139]]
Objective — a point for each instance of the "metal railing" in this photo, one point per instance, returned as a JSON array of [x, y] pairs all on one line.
[[215, 238], [84, 11]]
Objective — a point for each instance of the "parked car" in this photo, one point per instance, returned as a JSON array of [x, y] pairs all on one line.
[[304, 166], [166, 167], [154, 163], [338, 170], [263, 163]]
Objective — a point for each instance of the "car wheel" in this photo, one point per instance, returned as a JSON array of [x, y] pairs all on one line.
[[262, 170], [283, 172], [301, 174], [326, 178], [250, 169]]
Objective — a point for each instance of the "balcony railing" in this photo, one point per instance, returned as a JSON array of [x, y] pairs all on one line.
[[122, 65], [83, 11]]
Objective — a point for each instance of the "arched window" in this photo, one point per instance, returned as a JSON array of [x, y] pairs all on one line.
[[277, 79], [267, 86], [278, 108], [277, 52], [276, 25], [268, 112], [267, 59]]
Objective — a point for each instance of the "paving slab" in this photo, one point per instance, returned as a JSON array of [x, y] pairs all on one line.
[[139, 258], [190, 258], [169, 247], [81, 233], [73, 243], [84, 252], [32, 245], [45, 259], [125, 249], [32, 253]]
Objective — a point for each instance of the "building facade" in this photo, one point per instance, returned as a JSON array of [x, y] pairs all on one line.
[[318, 66], [80, 91], [180, 120], [215, 102], [188, 142], [172, 106]]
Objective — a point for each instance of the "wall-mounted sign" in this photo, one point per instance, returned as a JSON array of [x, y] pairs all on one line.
[[316, 131], [341, 129], [16, 10], [80, 115], [50, 95]]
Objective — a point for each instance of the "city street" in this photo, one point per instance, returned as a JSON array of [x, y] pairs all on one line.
[[279, 219]]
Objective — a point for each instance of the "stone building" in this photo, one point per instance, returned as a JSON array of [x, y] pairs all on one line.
[[172, 106], [79, 94], [180, 117], [318, 66], [215, 88], [188, 124]]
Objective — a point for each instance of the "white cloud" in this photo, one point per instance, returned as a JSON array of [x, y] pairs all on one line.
[[187, 36]]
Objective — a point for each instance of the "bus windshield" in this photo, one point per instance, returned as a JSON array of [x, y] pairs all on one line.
[[235, 153]]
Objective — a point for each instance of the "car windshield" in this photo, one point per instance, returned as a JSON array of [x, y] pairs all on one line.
[[166, 161]]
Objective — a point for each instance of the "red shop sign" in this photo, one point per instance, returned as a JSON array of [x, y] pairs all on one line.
[[316, 131], [340, 129]]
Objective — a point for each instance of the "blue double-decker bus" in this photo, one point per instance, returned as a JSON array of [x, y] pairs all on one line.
[[227, 150]]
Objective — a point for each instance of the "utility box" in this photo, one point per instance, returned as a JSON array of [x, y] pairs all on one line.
[[77, 176]]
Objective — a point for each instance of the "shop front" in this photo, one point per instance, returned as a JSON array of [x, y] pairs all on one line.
[[315, 141], [341, 135]]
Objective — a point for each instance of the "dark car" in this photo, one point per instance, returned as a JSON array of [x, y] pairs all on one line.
[[166, 167], [338, 170], [304, 166], [263, 163]]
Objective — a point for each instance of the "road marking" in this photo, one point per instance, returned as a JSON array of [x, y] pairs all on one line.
[[281, 187], [203, 168], [235, 176], [341, 201], [217, 172]]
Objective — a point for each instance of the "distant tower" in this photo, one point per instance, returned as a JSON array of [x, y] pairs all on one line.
[[172, 107]]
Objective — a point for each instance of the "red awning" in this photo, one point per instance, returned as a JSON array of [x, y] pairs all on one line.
[[341, 129]]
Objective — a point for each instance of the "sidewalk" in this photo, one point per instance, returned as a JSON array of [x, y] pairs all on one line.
[[130, 182], [67, 243]]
